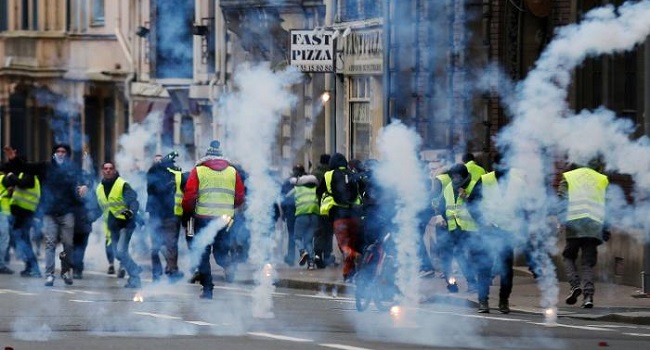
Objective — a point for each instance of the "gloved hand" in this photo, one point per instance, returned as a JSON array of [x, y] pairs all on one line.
[[439, 221], [606, 235], [128, 214]]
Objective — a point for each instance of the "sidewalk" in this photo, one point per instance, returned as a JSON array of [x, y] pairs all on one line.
[[612, 302]]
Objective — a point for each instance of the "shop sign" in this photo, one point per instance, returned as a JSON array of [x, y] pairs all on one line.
[[363, 52], [312, 51]]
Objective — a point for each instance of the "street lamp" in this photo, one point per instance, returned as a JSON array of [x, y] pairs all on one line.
[[325, 97]]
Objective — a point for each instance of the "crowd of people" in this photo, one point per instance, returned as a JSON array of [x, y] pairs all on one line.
[[478, 221]]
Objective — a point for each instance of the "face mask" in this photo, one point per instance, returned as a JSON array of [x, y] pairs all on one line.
[[58, 159]]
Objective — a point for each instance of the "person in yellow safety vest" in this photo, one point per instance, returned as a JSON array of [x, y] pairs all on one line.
[[453, 214], [584, 192], [443, 240], [501, 215], [474, 169], [214, 190], [342, 202], [23, 204], [164, 196], [5, 213], [119, 204], [307, 211]]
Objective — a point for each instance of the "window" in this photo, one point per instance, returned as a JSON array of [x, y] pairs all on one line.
[[172, 49], [360, 117], [3, 15], [352, 10], [29, 15], [98, 13]]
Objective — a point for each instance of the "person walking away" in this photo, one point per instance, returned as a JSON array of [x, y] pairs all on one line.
[[324, 234], [119, 205], [583, 191], [23, 205], [164, 196], [214, 190], [5, 213], [453, 215], [341, 201], [288, 211], [502, 219], [307, 211]]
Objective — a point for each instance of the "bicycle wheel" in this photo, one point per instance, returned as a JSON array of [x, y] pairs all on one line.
[[385, 291], [363, 292]]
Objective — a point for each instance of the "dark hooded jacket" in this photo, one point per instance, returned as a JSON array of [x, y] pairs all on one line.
[[161, 189], [58, 184], [344, 189]]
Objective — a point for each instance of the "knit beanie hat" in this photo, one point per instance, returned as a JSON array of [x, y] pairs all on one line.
[[214, 149]]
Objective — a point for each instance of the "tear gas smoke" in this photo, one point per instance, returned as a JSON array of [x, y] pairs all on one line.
[[543, 125], [401, 174], [251, 116]]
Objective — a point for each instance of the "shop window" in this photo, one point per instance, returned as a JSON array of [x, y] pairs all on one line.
[[98, 13]]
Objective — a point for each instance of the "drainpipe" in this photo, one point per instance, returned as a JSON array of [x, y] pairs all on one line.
[[129, 57], [646, 123]]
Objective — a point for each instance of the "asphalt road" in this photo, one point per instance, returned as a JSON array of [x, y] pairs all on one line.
[[97, 313]]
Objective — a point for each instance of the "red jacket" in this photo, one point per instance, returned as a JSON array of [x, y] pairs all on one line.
[[191, 192]]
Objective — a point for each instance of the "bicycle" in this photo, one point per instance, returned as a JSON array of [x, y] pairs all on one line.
[[375, 278]]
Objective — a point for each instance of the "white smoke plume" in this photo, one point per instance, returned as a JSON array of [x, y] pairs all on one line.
[[252, 115], [544, 127], [402, 174]]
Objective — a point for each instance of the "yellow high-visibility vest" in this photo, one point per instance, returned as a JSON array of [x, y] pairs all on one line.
[[586, 189], [178, 195], [114, 203], [327, 202], [5, 198], [27, 198], [475, 170], [306, 200], [456, 210], [216, 191]]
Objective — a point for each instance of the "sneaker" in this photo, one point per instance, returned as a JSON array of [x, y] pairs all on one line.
[[121, 273], [588, 302], [425, 273], [67, 278], [111, 270], [196, 278], [133, 282], [206, 294], [303, 258], [483, 307], [49, 281], [572, 298], [6, 271], [318, 262], [30, 273], [504, 306]]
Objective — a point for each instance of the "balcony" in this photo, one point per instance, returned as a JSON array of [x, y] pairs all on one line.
[[41, 54]]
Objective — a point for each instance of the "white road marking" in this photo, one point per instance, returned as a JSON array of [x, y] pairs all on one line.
[[343, 347], [613, 326], [201, 323], [165, 317], [638, 334], [279, 337], [587, 328], [324, 296], [63, 291], [11, 291], [81, 301]]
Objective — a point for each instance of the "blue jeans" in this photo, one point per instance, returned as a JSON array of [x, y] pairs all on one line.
[[120, 241], [304, 231], [22, 224], [58, 228], [4, 239]]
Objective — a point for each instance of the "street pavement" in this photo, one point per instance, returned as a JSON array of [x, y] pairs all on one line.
[[612, 302]]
